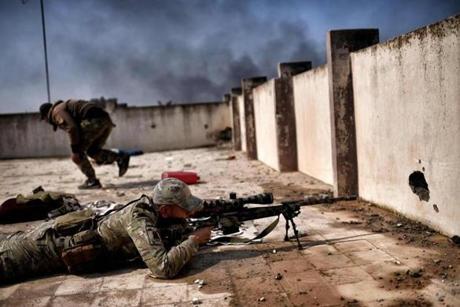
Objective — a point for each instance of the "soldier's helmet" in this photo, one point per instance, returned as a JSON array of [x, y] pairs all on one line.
[[44, 109], [172, 191]]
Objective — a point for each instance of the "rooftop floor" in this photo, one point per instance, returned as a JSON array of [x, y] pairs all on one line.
[[354, 254]]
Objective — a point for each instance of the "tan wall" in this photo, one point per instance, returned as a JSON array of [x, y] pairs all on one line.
[[266, 136], [407, 106], [242, 123], [146, 128], [313, 124]]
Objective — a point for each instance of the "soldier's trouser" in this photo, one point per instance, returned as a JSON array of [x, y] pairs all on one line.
[[95, 132], [24, 255]]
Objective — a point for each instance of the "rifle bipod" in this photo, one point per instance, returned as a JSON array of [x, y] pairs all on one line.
[[294, 228]]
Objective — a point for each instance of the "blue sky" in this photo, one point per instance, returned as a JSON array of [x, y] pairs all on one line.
[[142, 51]]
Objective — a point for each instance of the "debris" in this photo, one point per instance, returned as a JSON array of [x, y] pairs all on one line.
[[120, 194], [437, 261], [274, 251], [352, 222], [415, 273], [200, 282], [399, 225], [278, 276], [262, 299], [435, 207], [196, 301], [397, 262]]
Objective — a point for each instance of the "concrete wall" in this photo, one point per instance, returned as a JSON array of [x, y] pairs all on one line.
[[24, 135], [265, 120], [242, 123], [152, 128], [313, 123], [407, 104]]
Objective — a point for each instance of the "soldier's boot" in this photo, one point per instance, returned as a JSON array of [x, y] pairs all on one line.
[[90, 184], [123, 164]]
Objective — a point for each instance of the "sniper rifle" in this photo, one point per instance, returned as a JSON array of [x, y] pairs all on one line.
[[228, 215]]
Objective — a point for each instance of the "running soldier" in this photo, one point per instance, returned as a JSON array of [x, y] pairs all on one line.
[[88, 126], [152, 229]]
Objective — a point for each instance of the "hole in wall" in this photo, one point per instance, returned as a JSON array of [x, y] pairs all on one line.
[[153, 126], [419, 186], [435, 207], [206, 126]]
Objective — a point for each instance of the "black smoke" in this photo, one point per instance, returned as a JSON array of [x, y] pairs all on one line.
[[181, 50]]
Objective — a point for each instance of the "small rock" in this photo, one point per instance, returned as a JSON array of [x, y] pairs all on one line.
[[415, 274], [262, 299], [278, 276], [329, 253], [380, 300], [196, 301], [397, 262], [437, 261], [274, 251], [399, 225], [120, 194]]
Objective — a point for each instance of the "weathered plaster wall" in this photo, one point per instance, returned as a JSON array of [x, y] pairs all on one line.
[[24, 135], [313, 123], [148, 128], [242, 123], [407, 104], [265, 120]]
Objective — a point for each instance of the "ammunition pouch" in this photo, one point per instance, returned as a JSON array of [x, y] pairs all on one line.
[[74, 222], [83, 252]]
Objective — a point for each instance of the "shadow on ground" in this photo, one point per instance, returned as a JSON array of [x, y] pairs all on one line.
[[133, 184]]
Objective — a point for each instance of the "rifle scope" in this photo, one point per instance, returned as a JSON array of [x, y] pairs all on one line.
[[263, 198]]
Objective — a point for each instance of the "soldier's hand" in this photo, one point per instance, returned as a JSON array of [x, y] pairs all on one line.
[[202, 235]]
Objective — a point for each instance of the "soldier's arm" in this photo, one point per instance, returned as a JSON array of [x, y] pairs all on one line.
[[162, 263], [65, 121]]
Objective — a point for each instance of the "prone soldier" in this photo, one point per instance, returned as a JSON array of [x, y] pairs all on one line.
[[88, 126], [152, 228]]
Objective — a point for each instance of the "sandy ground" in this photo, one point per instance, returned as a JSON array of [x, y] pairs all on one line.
[[354, 254]]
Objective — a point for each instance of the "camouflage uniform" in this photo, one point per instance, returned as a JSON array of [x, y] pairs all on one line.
[[136, 230], [88, 127]]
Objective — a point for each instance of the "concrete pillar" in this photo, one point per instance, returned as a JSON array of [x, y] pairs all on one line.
[[247, 85], [285, 114], [293, 68], [344, 161], [236, 118]]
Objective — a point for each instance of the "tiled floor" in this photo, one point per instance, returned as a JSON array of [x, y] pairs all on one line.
[[341, 264]]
